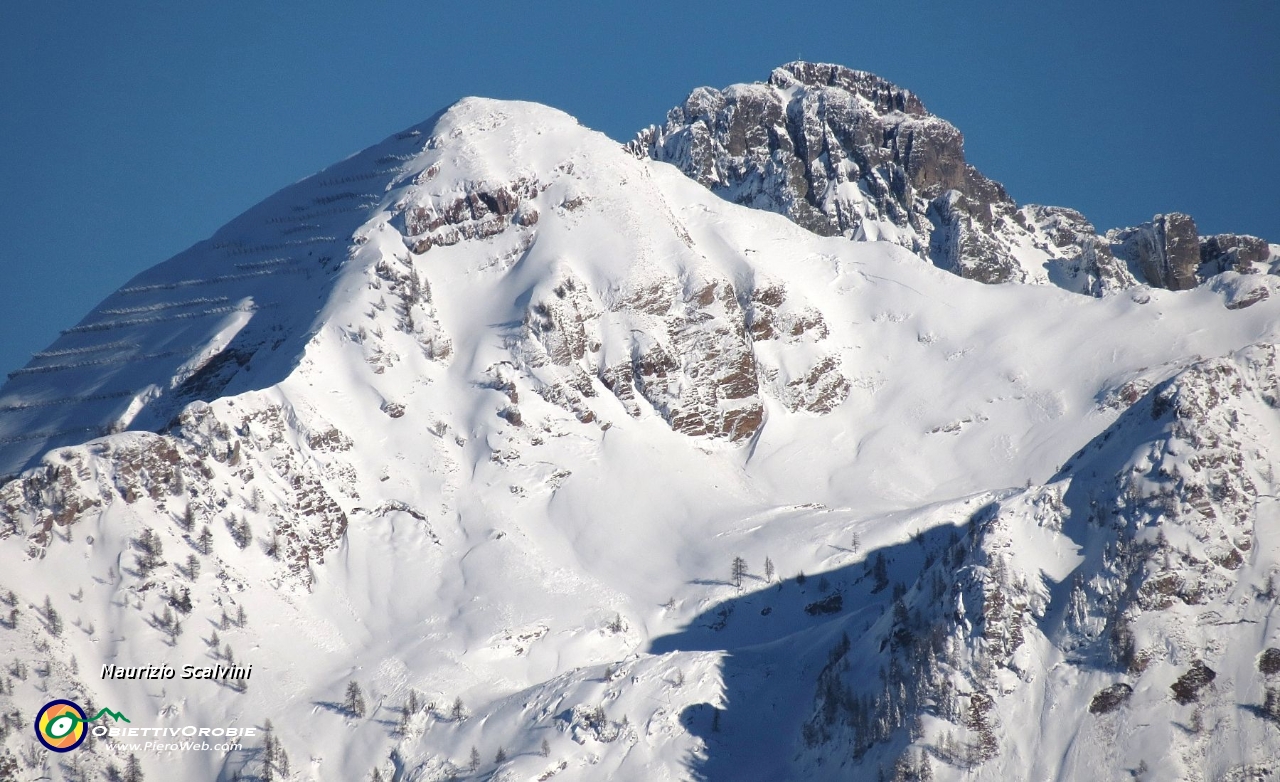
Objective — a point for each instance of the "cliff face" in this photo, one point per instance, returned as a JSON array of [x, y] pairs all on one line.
[[844, 152]]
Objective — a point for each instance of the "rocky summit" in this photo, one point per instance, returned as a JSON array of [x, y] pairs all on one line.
[[844, 152], [776, 444]]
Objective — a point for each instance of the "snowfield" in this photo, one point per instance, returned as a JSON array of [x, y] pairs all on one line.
[[480, 417]]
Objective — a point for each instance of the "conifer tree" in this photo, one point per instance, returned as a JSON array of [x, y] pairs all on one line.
[[204, 544], [354, 703], [51, 616]]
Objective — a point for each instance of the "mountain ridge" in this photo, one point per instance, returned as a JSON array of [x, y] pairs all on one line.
[[841, 151], [502, 449]]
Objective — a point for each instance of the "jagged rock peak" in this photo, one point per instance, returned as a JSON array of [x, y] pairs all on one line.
[[886, 95], [843, 152]]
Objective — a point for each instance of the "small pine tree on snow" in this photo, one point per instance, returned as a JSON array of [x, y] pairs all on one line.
[[545, 750], [181, 600], [855, 542], [240, 618], [241, 535], [152, 551], [354, 703], [269, 748], [475, 759], [501, 757], [801, 578], [188, 520], [133, 770], [204, 544], [458, 712], [738, 571], [376, 776], [193, 567], [51, 616], [413, 704], [768, 569]]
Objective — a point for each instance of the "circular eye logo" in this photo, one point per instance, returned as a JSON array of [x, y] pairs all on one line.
[[60, 725]]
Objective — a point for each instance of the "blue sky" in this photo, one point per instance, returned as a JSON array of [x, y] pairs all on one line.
[[132, 129]]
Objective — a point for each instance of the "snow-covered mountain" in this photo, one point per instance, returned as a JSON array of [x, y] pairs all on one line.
[[575, 467]]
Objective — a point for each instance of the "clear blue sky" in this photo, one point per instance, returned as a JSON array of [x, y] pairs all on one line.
[[132, 129]]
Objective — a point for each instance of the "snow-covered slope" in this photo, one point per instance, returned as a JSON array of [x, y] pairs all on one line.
[[484, 414]]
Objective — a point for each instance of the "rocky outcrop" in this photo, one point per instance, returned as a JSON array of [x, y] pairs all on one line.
[[1231, 252], [481, 211], [840, 152], [1089, 265], [846, 153], [685, 350], [1166, 250], [843, 152]]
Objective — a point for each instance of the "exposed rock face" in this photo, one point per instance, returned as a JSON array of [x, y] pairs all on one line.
[[688, 352], [1166, 250], [961, 243], [844, 152], [1091, 267], [1231, 252], [481, 212]]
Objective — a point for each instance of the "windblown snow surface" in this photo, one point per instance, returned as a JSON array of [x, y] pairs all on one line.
[[493, 406]]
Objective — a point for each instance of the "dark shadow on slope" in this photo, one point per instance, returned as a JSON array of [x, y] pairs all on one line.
[[778, 638], [1100, 518]]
